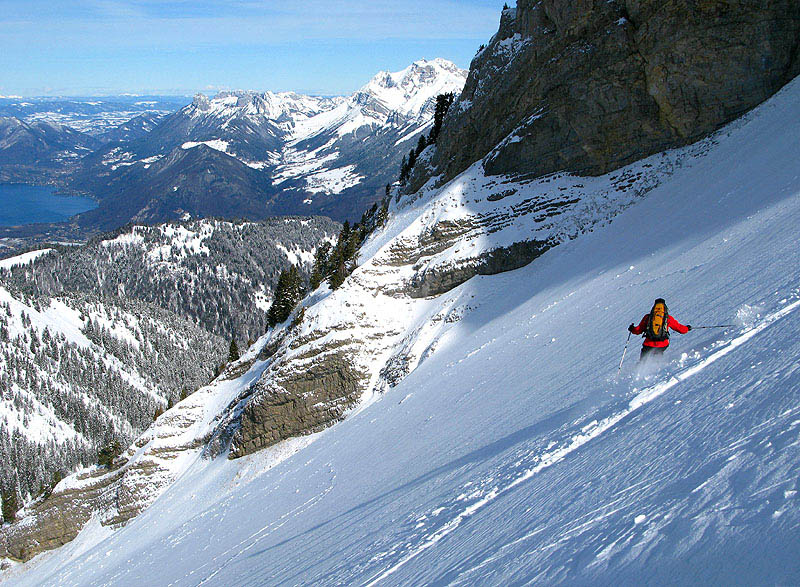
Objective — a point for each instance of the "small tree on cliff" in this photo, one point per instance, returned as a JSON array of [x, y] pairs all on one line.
[[110, 451], [421, 144], [233, 352], [288, 293], [320, 268], [443, 103], [10, 504]]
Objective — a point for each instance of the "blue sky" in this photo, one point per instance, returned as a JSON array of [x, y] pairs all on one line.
[[97, 47]]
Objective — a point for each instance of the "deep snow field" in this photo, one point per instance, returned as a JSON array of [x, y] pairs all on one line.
[[513, 454]]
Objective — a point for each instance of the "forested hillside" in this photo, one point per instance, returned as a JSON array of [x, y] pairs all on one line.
[[99, 339], [219, 274]]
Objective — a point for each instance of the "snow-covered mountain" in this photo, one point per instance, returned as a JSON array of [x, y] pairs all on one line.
[[46, 146], [132, 129], [250, 126], [345, 157], [273, 153], [488, 438]]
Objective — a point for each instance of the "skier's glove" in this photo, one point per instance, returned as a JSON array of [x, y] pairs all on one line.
[[631, 327], [688, 327]]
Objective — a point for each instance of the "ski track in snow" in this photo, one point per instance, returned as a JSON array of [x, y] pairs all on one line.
[[244, 545], [576, 441]]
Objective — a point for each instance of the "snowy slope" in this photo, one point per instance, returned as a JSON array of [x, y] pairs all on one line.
[[511, 454]]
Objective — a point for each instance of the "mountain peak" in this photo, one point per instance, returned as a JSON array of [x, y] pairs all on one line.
[[411, 90]]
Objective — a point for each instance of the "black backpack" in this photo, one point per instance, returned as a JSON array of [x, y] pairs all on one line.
[[658, 322]]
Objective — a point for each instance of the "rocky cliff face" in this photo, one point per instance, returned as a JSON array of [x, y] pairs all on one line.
[[590, 85]]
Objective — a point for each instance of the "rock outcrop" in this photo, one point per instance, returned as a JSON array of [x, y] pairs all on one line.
[[298, 402], [590, 85]]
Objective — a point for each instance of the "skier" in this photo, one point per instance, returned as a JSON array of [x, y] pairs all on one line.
[[655, 327]]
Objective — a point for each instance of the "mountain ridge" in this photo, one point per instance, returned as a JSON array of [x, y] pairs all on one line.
[[277, 153]]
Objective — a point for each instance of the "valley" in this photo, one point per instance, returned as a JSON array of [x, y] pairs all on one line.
[[238, 155]]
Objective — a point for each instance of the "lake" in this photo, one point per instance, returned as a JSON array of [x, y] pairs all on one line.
[[27, 204]]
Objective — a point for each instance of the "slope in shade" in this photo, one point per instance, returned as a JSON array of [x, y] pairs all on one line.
[[511, 454]]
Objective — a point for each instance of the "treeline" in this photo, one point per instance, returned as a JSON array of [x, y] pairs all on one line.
[[332, 263], [443, 103]]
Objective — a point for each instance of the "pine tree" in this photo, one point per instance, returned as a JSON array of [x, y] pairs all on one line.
[[339, 274], [383, 214], [421, 144], [351, 248], [298, 319], [288, 293], [109, 452], [412, 159], [233, 352], [320, 268], [10, 505], [336, 266], [443, 103], [403, 170]]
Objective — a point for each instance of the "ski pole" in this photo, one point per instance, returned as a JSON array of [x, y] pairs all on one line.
[[623, 353], [719, 326]]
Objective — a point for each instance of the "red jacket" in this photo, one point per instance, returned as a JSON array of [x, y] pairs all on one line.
[[671, 322]]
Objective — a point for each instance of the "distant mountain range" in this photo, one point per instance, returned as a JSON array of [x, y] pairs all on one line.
[[39, 147], [91, 115], [42, 140], [254, 155]]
